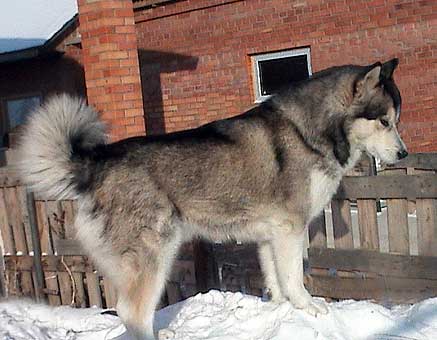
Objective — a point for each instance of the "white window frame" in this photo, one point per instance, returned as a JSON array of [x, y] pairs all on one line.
[[259, 97]]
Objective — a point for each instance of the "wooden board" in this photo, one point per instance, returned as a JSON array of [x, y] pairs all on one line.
[[368, 224], [3, 290], [381, 289], [173, 293], [15, 219], [5, 228], [50, 277], [56, 215], [77, 287], [427, 226], [110, 294], [69, 214], [43, 227], [427, 161], [342, 222], [68, 247], [398, 234], [420, 267], [93, 288], [22, 201], [51, 263], [396, 186], [80, 297], [8, 177], [317, 231], [397, 220], [66, 286]]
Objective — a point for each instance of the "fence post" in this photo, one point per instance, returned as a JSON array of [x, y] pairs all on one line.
[[204, 265], [39, 274], [2, 274]]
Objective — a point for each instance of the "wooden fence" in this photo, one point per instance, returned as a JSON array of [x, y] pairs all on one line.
[[56, 269], [376, 240]]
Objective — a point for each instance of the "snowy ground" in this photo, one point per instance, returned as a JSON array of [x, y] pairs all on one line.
[[227, 316]]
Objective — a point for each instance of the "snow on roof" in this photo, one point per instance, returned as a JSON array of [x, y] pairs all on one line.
[[31, 23]]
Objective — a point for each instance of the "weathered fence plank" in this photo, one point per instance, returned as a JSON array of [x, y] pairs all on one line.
[[24, 215], [396, 186], [317, 231], [50, 277], [5, 228], [427, 225], [397, 217], [368, 224], [342, 222], [76, 282], [426, 161], [381, 289], [39, 283], [24, 281], [356, 260], [93, 287], [110, 294]]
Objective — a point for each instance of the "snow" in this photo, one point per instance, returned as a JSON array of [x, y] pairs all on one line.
[[30, 23], [227, 316]]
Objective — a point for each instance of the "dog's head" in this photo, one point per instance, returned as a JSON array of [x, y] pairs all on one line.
[[376, 108]]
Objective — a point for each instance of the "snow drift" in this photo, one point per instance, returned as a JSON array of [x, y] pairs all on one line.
[[227, 316]]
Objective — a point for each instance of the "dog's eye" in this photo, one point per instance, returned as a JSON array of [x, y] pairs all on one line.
[[384, 122]]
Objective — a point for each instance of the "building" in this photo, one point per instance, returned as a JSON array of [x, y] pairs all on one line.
[[39, 56], [166, 65], [229, 38]]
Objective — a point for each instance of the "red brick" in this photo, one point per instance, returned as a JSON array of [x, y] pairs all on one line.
[[112, 71]]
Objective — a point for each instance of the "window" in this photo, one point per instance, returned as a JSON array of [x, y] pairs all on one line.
[[15, 112], [275, 70]]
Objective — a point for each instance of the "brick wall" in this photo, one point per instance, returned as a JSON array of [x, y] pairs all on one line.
[[110, 59], [195, 55]]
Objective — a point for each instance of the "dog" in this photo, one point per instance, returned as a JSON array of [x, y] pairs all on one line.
[[261, 177]]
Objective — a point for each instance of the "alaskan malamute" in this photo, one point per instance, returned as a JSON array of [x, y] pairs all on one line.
[[259, 177]]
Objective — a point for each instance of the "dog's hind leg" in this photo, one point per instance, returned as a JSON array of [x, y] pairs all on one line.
[[288, 255], [141, 290], [265, 252]]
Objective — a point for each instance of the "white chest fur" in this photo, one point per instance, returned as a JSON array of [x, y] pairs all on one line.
[[322, 188]]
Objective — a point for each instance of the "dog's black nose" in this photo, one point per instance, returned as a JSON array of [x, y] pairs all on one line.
[[402, 154]]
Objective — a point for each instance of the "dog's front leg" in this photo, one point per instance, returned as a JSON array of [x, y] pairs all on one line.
[[268, 267], [288, 254]]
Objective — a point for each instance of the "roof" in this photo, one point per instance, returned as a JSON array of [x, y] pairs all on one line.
[[25, 24]]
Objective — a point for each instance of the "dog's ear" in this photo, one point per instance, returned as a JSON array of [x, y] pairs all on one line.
[[388, 68], [369, 81]]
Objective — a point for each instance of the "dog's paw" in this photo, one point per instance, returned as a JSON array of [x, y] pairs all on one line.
[[165, 334], [309, 305], [316, 308]]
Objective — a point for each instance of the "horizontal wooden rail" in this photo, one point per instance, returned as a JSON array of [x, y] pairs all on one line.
[[382, 289], [183, 269], [8, 177], [394, 186], [426, 161], [365, 261], [50, 263]]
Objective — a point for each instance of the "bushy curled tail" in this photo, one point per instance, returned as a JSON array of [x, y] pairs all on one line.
[[54, 135]]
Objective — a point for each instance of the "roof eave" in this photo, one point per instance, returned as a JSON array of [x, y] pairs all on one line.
[[41, 50]]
